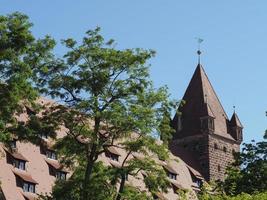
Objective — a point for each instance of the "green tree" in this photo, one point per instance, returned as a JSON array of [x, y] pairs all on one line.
[[249, 172], [21, 55], [107, 98]]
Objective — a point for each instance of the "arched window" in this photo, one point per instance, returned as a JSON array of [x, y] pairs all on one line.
[[224, 149], [215, 146], [219, 168]]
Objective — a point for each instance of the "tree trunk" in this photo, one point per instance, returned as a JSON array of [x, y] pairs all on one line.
[[122, 184], [89, 168]]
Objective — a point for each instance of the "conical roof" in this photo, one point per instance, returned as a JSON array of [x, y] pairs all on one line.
[[235, 121], [201, 99]]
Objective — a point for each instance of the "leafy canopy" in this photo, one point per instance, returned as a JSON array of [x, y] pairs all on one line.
[[108, 101]]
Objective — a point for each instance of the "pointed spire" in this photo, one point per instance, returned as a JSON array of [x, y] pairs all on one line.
[[201, 100], [235, 122]]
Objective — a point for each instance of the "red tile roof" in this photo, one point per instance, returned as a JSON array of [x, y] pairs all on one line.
[[24, 176], [171, 169], [17, 155], [29, 195], [113, 151], [55, 164]]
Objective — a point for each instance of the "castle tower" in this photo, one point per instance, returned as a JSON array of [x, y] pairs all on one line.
[[204, 131]]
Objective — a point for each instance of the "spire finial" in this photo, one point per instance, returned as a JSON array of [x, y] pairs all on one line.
[[234, 108], [199, 40]]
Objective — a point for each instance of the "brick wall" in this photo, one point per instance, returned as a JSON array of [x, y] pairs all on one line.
[[220, 156]]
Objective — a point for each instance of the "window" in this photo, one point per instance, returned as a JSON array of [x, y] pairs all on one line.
[[219, 168], [30, 111], [60, 175], [44, 135], [211, 124], [28, 187], [51, 154], [20, 164], [204, 124], [224, 149], [215, 146], [13, 144], [198, 182], [112, 156], [172, 175]]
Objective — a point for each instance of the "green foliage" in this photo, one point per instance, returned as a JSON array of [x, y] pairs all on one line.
[[109, 100], [243, 196], [133, 194], [21, 55], [98, 189], [251, 177]]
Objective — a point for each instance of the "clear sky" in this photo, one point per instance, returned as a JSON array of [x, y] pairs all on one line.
[[234, 48]]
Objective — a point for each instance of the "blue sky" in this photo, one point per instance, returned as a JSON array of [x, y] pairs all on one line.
[[234, 48]]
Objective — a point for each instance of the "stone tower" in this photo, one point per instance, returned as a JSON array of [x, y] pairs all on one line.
[[203, 131]]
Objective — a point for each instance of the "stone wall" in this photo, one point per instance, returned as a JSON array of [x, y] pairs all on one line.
[[220, 156]]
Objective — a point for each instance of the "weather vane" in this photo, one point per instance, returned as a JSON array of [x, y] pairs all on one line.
[[199, 41]]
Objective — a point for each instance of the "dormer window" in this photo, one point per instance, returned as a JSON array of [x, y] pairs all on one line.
[[28, 187], [13, 144], [51, 154], [30, 111], [44, 135], [171, 172], [20, 164], [56, 169], [207, 123], [25, 181], [60, 175], [112, 153], [172, 175], [112, 156]]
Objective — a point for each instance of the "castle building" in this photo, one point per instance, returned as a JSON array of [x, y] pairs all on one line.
[[204, 143], [205, 138]]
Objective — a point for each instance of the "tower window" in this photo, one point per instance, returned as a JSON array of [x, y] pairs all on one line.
[[219, 168], [215, 146], [211, 124], [224, 149]]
